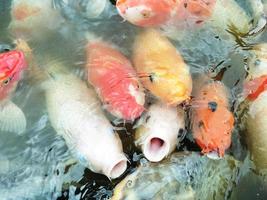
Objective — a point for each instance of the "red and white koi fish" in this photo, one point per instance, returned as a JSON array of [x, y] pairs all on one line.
[[115, 80], [12, 64]]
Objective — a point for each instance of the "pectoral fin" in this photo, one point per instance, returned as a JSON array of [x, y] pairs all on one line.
[[12, 119]]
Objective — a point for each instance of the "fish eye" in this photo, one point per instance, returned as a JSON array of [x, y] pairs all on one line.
[[5, 48], [6, 82]]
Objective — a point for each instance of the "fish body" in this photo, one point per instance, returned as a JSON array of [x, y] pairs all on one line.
[[212, 122], [167, 75], [183, 176], [115, 81], [158, 134], [76, 114], [12, 64], [255, 91], [32, 19]]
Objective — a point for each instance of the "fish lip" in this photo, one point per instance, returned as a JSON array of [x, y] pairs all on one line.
[[159, 154], [117, 168]]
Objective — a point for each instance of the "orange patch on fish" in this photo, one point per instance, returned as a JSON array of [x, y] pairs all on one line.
[[212, 122], [253, 88], [22, 11]]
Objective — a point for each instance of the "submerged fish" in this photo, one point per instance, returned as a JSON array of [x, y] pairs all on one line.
[[33, 18], [76, 114], [158, 134], [212, 122], [89, 9], [255, 89], [146, 13], [164, 71], [176, 16], [12, 64], [184, 176], [115, 81]]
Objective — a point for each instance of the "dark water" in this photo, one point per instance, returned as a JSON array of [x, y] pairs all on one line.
[[38, 165]]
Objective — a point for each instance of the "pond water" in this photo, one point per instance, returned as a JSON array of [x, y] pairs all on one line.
[[37, 164]]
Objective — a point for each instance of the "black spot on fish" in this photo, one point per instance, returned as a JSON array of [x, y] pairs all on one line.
[[200, 124], [151, 78], [147, 118], [199, 21], [212, 106]]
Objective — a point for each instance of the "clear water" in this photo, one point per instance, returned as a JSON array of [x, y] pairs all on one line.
[[38, 164]]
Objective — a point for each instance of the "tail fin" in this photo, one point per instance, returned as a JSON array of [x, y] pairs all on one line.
[[12, 118]]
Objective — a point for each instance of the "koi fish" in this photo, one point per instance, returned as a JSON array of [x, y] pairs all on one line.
[[173, 17], [255, 90], [85, 8], [12, 64], [146, 13], [76, 114], [115, 81], [212, 122], [182, 176], [168, 77], [33, 18], [157, 136]]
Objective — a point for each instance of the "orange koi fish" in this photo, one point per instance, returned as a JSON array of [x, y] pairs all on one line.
[[169, 76], [212, 122]]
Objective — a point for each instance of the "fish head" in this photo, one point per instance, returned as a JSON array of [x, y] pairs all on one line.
[[146, 13], [194, 12], [12, 63]]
